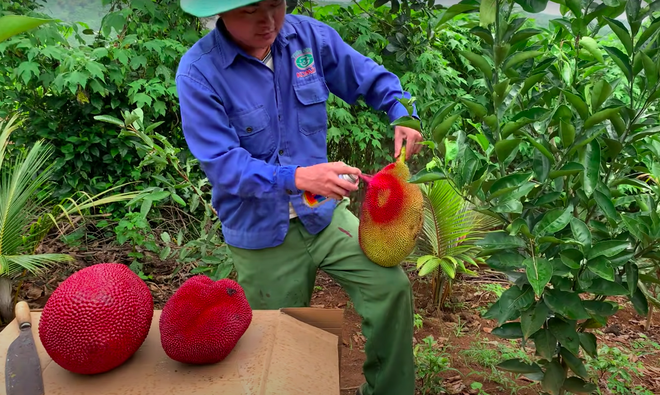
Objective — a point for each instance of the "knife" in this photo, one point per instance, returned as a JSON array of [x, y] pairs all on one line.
[[23, 369]]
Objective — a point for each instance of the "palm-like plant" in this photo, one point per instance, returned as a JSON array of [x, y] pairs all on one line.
[[446, 244], [21, 178]]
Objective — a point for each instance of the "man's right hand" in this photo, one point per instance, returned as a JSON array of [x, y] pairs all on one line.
[[323, 179]]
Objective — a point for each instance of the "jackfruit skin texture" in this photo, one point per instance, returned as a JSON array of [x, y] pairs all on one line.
[[96, 319], [392, 214], [203, 320]]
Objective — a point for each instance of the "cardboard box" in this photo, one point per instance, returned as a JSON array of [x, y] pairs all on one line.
[[292, 351]]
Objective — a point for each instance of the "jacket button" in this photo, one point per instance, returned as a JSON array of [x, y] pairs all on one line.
[[289, 191], [281, 152], [249, 130]]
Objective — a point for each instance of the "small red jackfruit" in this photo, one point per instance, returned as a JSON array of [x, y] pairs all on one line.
[[392, 214], [203, 320], [96, 319]]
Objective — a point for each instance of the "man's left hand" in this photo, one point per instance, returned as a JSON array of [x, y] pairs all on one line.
[[412, 138]]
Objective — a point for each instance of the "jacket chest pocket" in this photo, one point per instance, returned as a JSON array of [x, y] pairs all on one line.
[[312, 113], [253, 131]]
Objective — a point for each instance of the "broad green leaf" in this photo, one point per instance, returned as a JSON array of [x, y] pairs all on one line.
[[12, 25], [566, 133], [601, 267], [553, 221], [408, 122], [505, 261], [545, 343], [424, 176], [510, 330], [475, 108], [517, 365], [541, 166], [482, 33], [576, 385], [574, 363], [478, 61], [547, 198], [530, 82], [606, 205], [608, 248], [640, 303], [632, 276], [532, 319], [520, 57], [508, 306], [588, 342], [441, 130], [622, 32], [503, 148], [650, 68], [597, 307], [599, 94], [590, 159], [569, 169], [566, 334], [600, 286], [578, 104], [600, 116], [571, 257], [109, 119], [513, 180], [565, 303], [621, 60], [592, 46], [540, 147], [581, 232], [539, 273], [555, 375]]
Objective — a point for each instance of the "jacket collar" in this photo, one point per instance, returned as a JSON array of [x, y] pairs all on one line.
[[229, 50]]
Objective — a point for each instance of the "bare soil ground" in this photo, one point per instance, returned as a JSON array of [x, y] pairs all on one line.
[[461, 334]]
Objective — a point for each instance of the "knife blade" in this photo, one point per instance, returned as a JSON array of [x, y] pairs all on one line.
[[22, 369]]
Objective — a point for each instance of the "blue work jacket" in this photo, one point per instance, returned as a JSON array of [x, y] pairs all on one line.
[[251, 127]]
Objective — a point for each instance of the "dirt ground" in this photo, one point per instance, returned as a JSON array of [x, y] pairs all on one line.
[[461, 334]]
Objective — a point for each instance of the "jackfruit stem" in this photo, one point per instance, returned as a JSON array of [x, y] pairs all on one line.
[[402, 155]]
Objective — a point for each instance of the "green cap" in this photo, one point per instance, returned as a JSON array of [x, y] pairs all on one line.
[[206, 8]]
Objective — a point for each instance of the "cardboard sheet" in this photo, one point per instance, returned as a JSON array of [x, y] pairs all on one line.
[[284, 352]]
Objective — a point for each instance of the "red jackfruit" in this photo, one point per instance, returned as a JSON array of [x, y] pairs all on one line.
[[96, 319], [392, 214], [204, 320]]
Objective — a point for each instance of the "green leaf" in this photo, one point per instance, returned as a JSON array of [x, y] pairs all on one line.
[[600, 116], [640, 303], [592, 47], [482, 33], [541, 166], [566, 334], [606, 205], [597, 307], [500, 240], [574, 363], [478, 61], [621, 61], [608, 248], [520, 57], [475, 108], [109, 119], [622, 32], [508, 306], [545, 343], [532, 319], [503, 148], [12, 25], [424, 176], [571, 257], [517, 365], [599, 94], [578, 104], [533, 6], [566, 133], [408, 122], [647, 34], [510, 330], [576, 385], [581, 232], [569, 169], [590, 159], [588, 342], [553, 221], [565, 303], [539, 273], [600, 286], [510, 181], [650, 69], [601, 267], [440, 131], [554, 376]]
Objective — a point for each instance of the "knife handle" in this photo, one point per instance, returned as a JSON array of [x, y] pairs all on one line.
[[23, 315]]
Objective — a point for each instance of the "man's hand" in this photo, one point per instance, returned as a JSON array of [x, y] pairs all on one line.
[[323, 179], [412, 138]]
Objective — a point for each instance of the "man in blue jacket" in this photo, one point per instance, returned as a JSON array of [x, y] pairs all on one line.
[[253, 105]]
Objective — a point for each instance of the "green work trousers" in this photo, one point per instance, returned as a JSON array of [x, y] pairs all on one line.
[[283, 276]]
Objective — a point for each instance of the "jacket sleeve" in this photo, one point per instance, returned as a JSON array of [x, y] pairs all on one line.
[[349, 75], [215, 143]]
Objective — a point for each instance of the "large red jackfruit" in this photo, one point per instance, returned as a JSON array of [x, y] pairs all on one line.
[[96, 319], [204, 320], [392, 214]]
